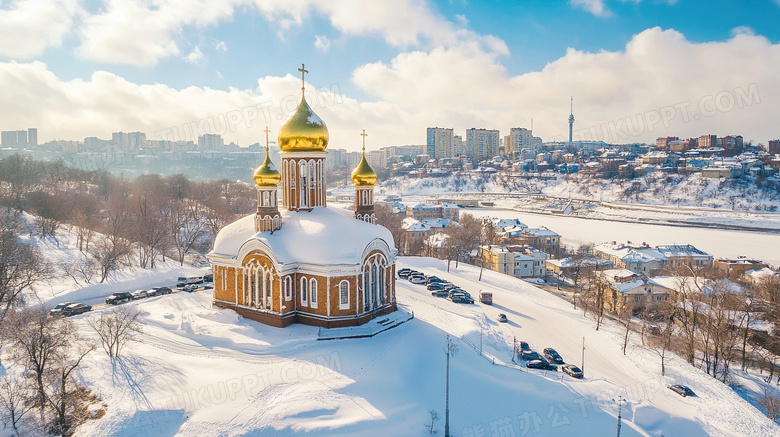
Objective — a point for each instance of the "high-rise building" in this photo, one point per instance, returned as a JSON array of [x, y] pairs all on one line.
[[481, 144], [519, 138], [458, 146], [707, 141], [129, 142], [773, 147], [210, 142], [32, 136], [8, 138], [439, 142]]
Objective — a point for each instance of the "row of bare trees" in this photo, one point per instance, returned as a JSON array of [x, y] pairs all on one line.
[[120, 222]]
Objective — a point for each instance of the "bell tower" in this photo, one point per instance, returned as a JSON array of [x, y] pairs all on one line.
[[364, 178], [267, 177]]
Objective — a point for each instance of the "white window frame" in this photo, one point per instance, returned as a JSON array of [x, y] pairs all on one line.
[[304, 291], [287, 285], [344, 305], [313, 292]]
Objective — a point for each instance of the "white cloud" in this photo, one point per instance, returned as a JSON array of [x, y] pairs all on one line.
[[321, 42], [595, 7], [221, 46], [459, 87], [143, 32], [195, 56], [28, 27]]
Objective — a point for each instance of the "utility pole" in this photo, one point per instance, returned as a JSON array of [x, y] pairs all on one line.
[[620, 410], [450, 350], [582, 367]]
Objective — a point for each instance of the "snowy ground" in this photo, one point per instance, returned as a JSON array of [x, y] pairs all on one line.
[[205, 371]]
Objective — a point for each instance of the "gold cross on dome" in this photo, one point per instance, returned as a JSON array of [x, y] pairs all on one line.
[[267, 131], [303, 71], [364, 135]]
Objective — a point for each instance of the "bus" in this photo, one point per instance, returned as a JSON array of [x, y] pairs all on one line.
[[486, 297]]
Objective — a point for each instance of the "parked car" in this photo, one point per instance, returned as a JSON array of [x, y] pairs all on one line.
[[552, 355], [449, 286], [117, 298], [404, 273], [541, 364], [461, 298], [208, 286], [523, 345], [530, 355], [433, 279], [682, 390], [158, 291], [57, 310], [502, 318], [417, 279], [435, 286], [439, 293], [190, 288], [140, 294], [572, 370], [75, 309]]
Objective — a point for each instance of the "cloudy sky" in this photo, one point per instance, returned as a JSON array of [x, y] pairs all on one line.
[[637, 69]]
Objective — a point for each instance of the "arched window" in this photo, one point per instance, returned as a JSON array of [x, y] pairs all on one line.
[[312, 173], [344, 295], [304, 291], [287, 285], [313, 292], [303, 191], [373, 282]]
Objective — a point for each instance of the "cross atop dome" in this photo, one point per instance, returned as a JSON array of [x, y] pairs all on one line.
[[303, 71]]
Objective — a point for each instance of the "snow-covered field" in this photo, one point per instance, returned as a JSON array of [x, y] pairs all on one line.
[[205, 371]]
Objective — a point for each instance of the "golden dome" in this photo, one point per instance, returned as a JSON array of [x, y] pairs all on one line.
[[304, 131], [363, 175], [267, 175]]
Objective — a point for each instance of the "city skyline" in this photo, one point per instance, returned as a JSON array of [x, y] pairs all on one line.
[[653, 69]]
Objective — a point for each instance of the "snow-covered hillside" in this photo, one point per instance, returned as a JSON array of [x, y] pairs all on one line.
[[205, 371]]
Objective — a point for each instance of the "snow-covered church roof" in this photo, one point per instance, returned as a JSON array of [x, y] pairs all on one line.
[[322, 236]]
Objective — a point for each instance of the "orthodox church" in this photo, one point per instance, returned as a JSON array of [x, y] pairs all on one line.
[[304, 262]]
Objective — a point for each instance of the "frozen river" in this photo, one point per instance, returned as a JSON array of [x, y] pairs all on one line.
[[718, 243]]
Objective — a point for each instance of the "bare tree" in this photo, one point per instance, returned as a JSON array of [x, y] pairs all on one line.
[[662, 343], [21, 265], [68, 400], [110, 254], [116, 328], [771, 404], [15, 401]]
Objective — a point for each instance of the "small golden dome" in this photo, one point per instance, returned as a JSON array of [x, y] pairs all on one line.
[[267, 175], [304, 131], [363, 175]]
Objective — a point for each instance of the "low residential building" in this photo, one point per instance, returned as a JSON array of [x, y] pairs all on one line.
[[416, 232], [521, 261], [541, 238], [635, 290], [573, 268], [431, 211], [648, 260], [735, 267]]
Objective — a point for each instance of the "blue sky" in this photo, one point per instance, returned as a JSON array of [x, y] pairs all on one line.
[[397, 66]]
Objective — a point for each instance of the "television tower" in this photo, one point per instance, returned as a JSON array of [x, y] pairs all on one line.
[[571, 120]]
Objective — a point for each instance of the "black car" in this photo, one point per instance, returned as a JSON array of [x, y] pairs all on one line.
[[57, 310], [75, 309], [435, 286], [541, 364], [461, 298], [159, 291], [117, 298], [682, 390], [434, 279], [552, 355], [439, 293], [530, 355], [502, 318], [572, 370], [404, 273]]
